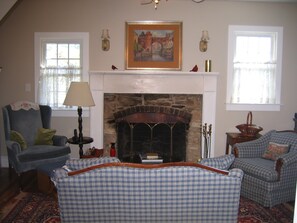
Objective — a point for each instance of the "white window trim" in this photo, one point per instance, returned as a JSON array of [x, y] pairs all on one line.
[[84, 37], [231, 50]]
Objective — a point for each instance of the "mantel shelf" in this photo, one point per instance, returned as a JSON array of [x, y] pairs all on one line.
[[155, 72]]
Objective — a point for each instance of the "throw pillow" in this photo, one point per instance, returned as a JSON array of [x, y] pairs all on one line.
[[45, 136], [274, 150], [17, 137]]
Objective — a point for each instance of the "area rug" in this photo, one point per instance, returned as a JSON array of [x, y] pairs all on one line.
[[41, 208]]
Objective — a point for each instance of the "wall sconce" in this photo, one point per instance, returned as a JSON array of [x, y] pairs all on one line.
[[105, 40], [204, 41]]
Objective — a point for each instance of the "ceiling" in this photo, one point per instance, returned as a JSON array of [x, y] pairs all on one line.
[[7, 5]]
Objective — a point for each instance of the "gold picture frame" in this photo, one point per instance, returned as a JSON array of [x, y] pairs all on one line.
[[153, 45]]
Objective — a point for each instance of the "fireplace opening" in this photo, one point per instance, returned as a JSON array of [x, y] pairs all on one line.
[[152, 129]]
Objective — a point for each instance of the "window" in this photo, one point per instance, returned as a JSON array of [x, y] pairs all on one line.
[[60, 58], [254, 68]]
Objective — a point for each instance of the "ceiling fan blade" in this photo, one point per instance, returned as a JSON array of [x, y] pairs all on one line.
[[146, 2], [198, 1]]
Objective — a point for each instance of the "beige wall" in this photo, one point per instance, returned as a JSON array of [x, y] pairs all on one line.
[[17, 52]]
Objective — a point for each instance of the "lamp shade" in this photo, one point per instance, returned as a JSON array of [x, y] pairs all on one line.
[[79, 94]]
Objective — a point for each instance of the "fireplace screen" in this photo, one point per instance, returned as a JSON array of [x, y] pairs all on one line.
[[147, 129]]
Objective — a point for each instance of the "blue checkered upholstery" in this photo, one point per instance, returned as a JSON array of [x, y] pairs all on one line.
[[167, 194], [77, 164], [266, 181], [222, 162]]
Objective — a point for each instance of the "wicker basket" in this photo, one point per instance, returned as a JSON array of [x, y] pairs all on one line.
[[249, 129]]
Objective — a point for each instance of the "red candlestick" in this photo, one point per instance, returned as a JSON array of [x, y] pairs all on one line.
[[112, 150]]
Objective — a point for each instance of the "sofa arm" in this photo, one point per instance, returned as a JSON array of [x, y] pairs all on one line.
[[221, 162], [235, 172], [59, 140], [59, 174]]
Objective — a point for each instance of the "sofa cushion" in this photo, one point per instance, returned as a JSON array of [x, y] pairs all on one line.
[[39, 152], [17, 137], [259, 168], [274, 150]]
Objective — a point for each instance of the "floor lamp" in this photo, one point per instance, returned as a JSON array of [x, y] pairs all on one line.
[[79, 94]]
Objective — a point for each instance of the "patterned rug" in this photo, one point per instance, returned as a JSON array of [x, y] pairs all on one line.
[[41, 208]]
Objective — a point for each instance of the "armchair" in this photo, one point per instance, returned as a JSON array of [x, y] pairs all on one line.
[[30, 141], [270, 167]]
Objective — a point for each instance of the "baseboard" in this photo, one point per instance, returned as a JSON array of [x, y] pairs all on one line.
[[4, 161]]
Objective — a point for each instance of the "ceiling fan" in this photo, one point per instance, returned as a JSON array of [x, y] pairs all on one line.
[[156, 2]]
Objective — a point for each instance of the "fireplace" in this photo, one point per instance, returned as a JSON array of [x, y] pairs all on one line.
[[154, 83], [153, 123]]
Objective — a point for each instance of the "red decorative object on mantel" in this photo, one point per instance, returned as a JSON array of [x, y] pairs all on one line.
[[194, 69], [112, 151]]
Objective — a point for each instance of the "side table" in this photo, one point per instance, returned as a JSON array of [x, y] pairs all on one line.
[[80, 143], [233, 138]]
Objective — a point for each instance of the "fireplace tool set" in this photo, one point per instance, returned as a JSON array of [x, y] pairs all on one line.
[[206, 132]]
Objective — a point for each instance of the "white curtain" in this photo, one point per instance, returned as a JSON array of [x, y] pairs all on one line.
[[254, 83], [54, 84]]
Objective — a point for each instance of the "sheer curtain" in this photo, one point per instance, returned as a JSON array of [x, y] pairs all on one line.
[[254, 70], [54, 84], [254, 83]]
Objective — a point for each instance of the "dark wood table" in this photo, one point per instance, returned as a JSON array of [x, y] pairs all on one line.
[[80, 143], [233, 138]]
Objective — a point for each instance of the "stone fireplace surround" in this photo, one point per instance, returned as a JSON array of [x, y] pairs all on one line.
[[151, 82]]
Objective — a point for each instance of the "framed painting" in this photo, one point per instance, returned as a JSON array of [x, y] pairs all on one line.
[[154, 45]]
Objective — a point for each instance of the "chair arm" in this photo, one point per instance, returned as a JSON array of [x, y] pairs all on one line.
[[286, 160], [13, 146], [59, 140], [254, 148]]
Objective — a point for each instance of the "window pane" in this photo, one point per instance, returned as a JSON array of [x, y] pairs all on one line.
[[63, 50], [62, 63], [253, 49], [74, 63], [51, 63], [74, 51], [51, 51]]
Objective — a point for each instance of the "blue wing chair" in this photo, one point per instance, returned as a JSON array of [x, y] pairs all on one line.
[[30, 141], [270, 167]]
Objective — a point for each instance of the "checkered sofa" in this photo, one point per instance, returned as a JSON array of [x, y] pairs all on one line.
[[265, 181], [125, 192]]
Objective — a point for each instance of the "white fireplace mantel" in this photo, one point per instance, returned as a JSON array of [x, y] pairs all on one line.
[[151, 82]]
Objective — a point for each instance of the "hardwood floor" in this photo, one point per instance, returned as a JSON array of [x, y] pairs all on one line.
[[10, 184]]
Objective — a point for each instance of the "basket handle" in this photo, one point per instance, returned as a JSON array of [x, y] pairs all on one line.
[[249, 118]]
